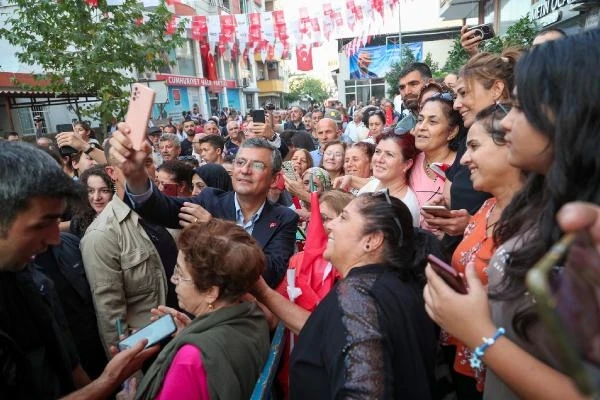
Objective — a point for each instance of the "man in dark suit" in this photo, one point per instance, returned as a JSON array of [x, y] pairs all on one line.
[[255, 168]]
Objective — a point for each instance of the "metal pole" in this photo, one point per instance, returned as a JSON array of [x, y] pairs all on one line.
[[400, 27]]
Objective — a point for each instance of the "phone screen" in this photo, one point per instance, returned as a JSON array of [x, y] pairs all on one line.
[[258, 116], [155, 332]]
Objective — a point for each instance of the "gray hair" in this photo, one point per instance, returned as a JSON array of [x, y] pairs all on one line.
[[262, 143], [27, 172], [170, 137]]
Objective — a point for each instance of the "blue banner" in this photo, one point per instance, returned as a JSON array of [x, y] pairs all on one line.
[[375, 61]]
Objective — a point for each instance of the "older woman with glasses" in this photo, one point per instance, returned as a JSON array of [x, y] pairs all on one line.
[[379, 342], [220, 353]]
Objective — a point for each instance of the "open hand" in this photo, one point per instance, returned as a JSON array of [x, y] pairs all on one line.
[[469, 41]]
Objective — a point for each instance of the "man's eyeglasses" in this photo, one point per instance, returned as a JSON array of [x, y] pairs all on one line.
[[257, 166], [386, 194]]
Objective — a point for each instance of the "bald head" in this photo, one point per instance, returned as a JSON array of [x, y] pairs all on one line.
[[327, 131]]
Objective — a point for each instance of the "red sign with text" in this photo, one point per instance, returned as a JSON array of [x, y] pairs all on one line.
[[182, 80]]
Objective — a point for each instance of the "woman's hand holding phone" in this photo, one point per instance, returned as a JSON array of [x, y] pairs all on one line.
[[465, 316], [181, 319]]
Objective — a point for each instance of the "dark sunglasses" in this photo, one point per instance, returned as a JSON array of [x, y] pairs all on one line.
[[386, 194], [445, 96]]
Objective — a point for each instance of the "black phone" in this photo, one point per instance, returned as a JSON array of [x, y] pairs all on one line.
[[448, 274], [154, 332], [258, 116], [484, 31]]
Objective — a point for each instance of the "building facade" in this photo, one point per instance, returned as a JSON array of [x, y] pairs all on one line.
[[569, 15]]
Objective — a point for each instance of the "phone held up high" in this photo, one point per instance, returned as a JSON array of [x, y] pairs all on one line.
[[154, 332], [451, 276], [138, 113], [258, 116], [484, 31]]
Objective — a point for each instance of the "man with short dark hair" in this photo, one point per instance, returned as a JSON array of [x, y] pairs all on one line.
[[211, 149], [412, 79], [256, 166], [35, 344], [13, 136], [189, 128]]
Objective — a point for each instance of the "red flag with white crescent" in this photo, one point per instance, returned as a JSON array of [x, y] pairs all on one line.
[[171, 25], [304, 57]]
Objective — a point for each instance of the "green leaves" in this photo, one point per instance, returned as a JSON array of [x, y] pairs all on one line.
[[302, 86], [88, 50], [392, 78]]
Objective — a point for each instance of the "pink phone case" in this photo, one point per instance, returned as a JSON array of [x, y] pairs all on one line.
[[138, 113]]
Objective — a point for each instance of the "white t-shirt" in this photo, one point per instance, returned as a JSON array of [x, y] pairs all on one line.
[[409, 199]]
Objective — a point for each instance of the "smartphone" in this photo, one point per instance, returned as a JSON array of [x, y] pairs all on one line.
[[564, 284], [258, 116], [484, 31], [451, 276], [437, 211], [154, 332], [138, 113], [170, 189], [288, 170]]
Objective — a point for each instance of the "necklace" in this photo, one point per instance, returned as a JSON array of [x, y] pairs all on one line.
[[429, 172]]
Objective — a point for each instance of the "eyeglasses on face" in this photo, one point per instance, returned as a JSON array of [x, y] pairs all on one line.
[[257, 166], [178, 277], [335, 154]]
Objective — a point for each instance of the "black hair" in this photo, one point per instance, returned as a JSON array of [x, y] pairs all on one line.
[[423, 69], [490, 118], [12, 133], [182, 172], [453, 116], [562, 104], [394, 220], [25, 173], [216, 141]]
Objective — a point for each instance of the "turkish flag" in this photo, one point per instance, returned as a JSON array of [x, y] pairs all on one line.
[[92, 3], [304, 57], [199, 27]]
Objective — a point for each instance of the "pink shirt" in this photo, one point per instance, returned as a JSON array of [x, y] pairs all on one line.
[[427, 190], [186, 377]]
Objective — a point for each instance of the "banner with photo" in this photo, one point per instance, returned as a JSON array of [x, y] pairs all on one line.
[[375, 61]]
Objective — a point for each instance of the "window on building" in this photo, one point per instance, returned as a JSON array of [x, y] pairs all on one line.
[[185, 59], [488, 11]]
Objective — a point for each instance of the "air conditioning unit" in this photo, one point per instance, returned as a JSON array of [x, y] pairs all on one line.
[[239, 83], [245, 82]]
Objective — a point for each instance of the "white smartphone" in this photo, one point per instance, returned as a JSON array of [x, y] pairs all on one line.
[[154, 332], [138, 113], [438, 211]]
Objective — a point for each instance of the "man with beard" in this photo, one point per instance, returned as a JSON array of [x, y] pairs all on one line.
[[412, 79]]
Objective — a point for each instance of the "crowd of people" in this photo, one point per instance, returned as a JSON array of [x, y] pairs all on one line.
[[322, 220]]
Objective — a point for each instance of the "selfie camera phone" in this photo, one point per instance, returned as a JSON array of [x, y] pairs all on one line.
[[288, 170], [448, 274], [484, 31], [138, 113], [154, 332], [258, 116]]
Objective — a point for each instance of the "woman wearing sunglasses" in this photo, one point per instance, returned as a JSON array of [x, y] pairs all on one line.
[[552, 132], [485, 80], [379, 343]]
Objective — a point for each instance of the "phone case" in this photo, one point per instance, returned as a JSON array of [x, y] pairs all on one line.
[[258, 116], [438, 211], [138, 113], [448, 274]]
